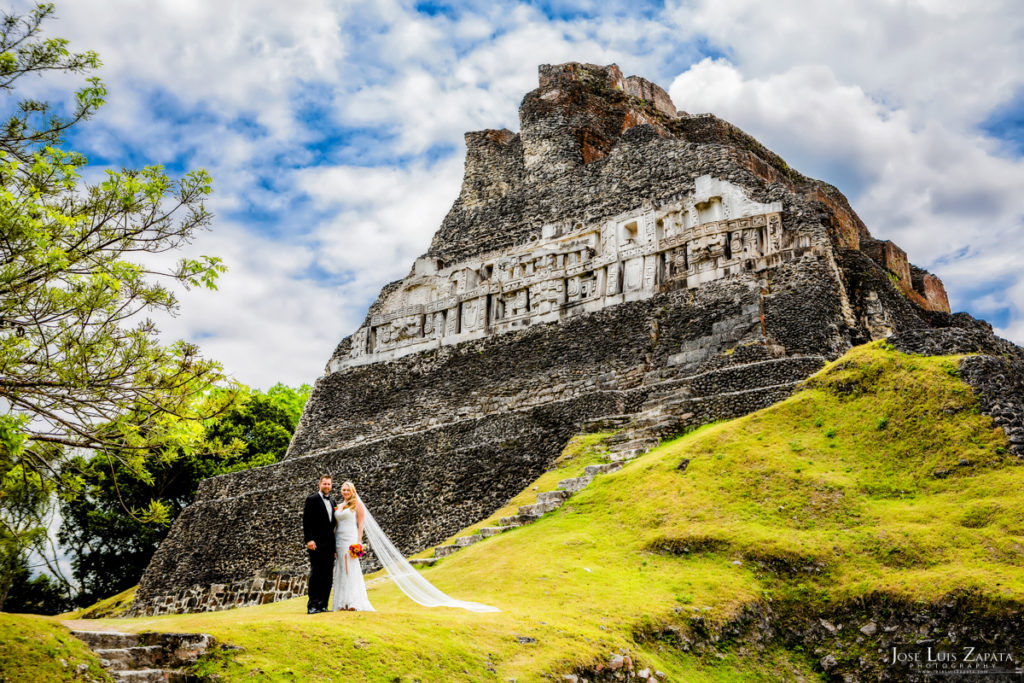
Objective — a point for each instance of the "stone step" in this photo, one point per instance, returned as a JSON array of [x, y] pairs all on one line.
[[682, 407], [617, 438], [604, 423], [552, 496], [663, 429], [574, 484], [180, 649], [645, 419], [638, 446], [107, 640], [546, 502], [148, 676], [661, 394], [141, 657], [701, 385], [666, 423], [423, 561], [593, 470], [526, 518], [622, 457], [135, 658], [671, 403], [538, 509]]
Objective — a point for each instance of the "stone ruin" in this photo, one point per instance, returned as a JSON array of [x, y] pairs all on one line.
[[614, 254]]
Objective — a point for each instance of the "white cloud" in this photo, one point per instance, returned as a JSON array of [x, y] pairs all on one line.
[[269, 321], [230, 56], [962, 58], [380, 219], [940, 194], [453, 82]]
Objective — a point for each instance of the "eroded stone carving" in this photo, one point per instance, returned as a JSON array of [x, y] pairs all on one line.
[[714, 232]]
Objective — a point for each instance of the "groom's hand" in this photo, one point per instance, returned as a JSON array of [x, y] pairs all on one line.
[[311, 545]]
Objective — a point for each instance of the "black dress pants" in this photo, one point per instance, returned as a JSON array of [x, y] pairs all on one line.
[[321, 575]]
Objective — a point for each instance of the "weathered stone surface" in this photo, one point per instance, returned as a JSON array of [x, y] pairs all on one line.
[[614, 258], [148, 656], [710, 234]]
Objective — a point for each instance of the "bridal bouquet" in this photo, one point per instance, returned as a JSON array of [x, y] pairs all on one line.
[[356, 551]]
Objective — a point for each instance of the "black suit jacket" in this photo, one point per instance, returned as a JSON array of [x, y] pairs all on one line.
[[316, 524]]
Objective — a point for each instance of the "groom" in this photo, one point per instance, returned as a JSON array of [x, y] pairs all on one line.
[[318, 530]]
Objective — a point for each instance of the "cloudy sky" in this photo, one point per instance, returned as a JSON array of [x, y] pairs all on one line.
[[334, 130]]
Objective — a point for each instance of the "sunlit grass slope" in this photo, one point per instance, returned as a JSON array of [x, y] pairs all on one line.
[[114, 606], [880, 476], [37, 649]]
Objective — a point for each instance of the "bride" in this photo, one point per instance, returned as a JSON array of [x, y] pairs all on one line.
[[349, 589]]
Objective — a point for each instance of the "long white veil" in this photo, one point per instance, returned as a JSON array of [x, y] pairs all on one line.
[[405, 575]]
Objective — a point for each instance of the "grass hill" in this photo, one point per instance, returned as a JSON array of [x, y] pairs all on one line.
[[874, 507]]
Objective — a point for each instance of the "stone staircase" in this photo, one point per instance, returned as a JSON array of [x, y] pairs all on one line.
[[145, 657], [546, 502], [671, 405]]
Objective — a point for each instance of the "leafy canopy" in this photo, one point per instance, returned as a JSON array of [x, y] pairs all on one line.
[[110, 548], [81, 265]]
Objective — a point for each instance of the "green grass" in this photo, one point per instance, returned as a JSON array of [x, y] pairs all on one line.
[[38, 649], [582, 450], [880, 477], [114, 606]]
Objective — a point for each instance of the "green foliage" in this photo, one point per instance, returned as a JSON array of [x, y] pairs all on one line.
[[39, 594], [258, 428], [24, 500], [290, 400], [113, 526], [22, 52], [81, 367]]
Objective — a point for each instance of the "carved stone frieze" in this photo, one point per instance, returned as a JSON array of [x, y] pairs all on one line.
[[714, 232]]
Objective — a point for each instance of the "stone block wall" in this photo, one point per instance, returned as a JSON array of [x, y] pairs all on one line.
[[890, 257], [609, 349], [264, 588]]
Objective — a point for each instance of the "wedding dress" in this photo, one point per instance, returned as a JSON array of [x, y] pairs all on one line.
[[349, 587], [404, 575]]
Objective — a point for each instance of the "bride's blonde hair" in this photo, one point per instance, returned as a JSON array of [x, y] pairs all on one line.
[[351, 502]]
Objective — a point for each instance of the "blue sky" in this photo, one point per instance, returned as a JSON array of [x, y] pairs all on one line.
[[334, 130]]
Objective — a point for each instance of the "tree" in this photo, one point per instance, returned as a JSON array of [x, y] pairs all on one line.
[[110, 548], [39, 594], [81, 367], [26, 499]]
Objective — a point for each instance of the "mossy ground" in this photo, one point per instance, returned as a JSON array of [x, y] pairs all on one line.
[[879, 477], [38, 649], [114, 606]]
